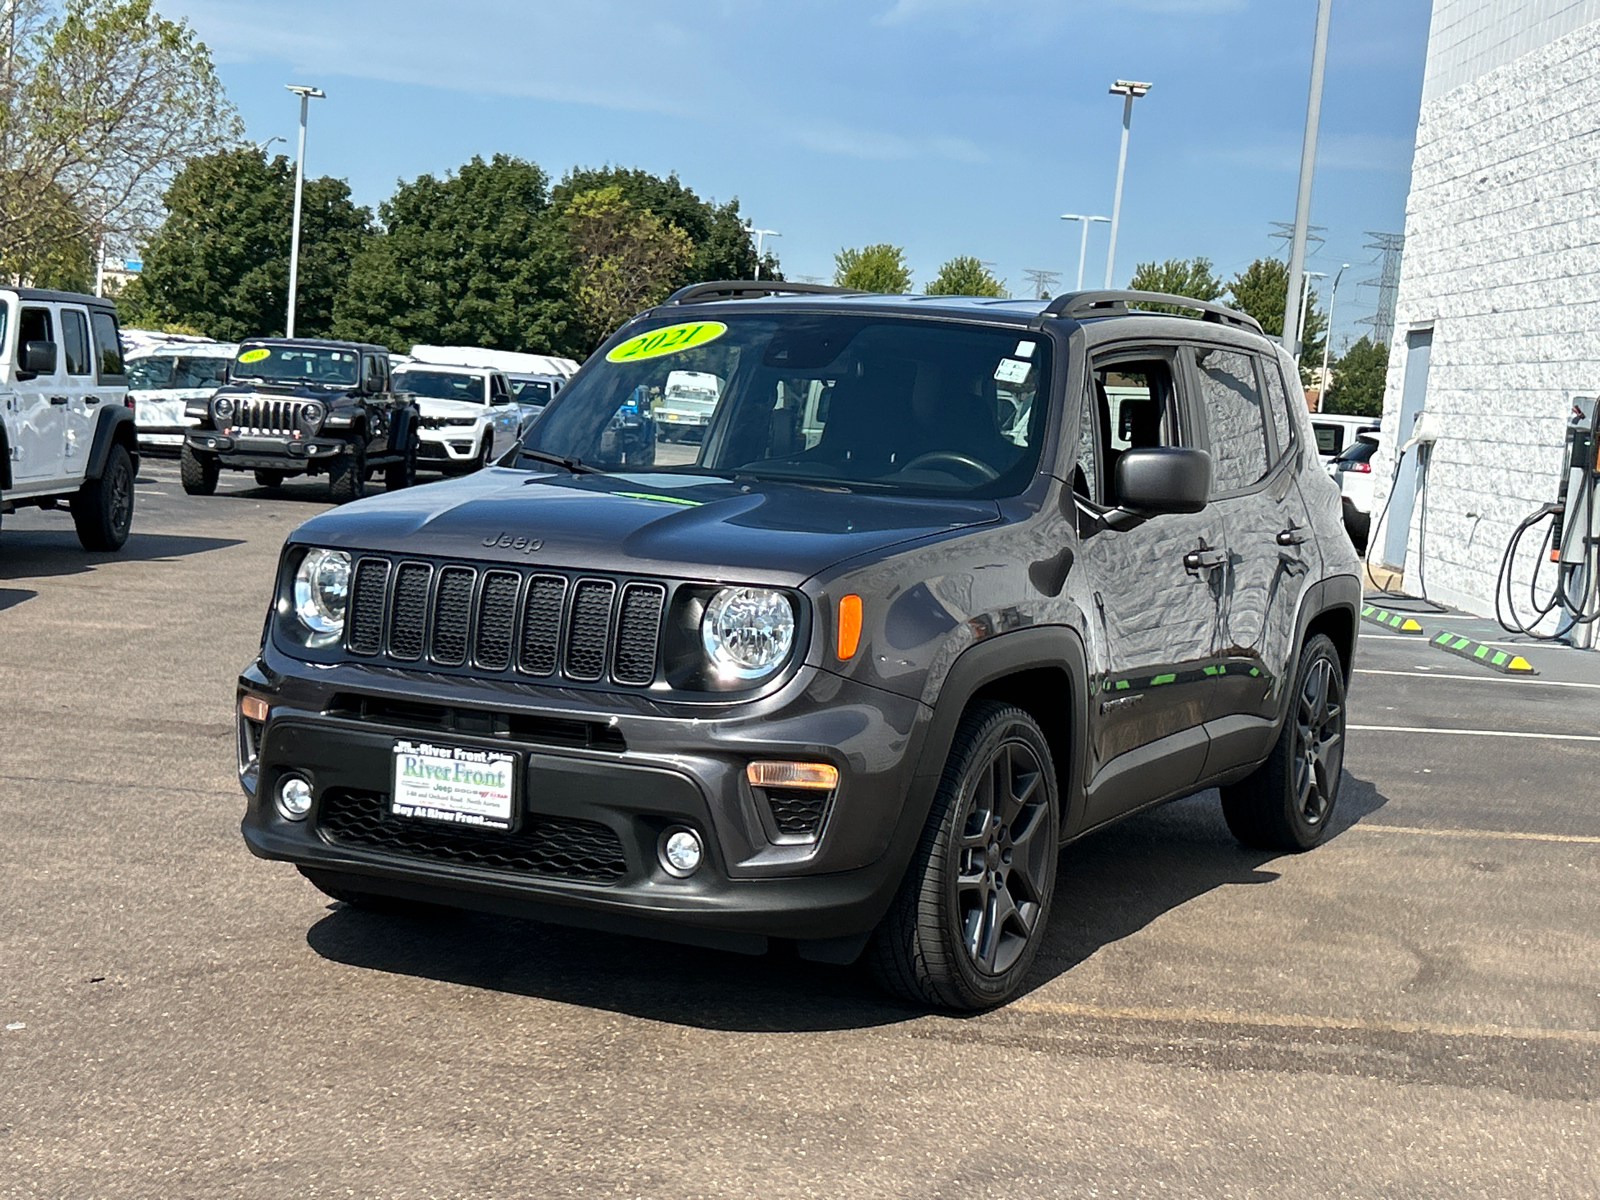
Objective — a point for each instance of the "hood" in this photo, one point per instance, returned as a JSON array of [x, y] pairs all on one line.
[[155, 395], [327, 393], [431, 406], [670, 525]]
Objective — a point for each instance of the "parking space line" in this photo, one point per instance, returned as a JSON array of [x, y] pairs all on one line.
[[1505, 733], [1505, 835], [1475, 678], [1218, 1016]]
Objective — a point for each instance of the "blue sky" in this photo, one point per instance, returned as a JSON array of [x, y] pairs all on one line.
[[945, 126]]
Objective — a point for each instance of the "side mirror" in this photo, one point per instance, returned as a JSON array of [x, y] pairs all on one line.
[[371, 385], [38, 358], [1167, 479]]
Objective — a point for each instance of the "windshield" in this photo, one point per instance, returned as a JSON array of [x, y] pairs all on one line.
[[531, 391], [167, 372], [861, 401], [440, 385], [298, 364]]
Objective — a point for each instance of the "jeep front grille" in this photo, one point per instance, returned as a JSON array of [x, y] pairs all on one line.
[[542, 624], [259, 416]]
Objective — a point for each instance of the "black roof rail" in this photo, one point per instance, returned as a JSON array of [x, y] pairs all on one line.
[[1110, 303], [743, 289]]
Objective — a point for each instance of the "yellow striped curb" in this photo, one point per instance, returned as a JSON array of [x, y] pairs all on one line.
[[1393, 621], [1488, 656]]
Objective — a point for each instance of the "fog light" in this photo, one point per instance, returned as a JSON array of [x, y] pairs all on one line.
[[681, 852], [294, 798], [254, 708]]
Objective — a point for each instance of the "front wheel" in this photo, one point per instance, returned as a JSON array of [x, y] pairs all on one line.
[[1287, 802], [402, 474], [103, 508], [347, 476], [971, 911], [199, 474]]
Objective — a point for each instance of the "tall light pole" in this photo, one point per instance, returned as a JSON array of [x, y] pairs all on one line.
[[1305, 300], [1130, 90], [306, 94], [1308, 167], [761, 236], [1327, 345], [1083, 245]]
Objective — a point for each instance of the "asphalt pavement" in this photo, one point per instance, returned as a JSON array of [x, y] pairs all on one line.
[[1412, 1009]]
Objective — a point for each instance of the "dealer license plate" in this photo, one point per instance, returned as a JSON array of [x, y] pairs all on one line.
[[454, 784]]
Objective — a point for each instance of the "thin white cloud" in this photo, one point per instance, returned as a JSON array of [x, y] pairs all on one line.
[[1335, 152]]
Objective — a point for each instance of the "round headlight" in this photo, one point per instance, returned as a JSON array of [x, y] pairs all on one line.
[[747, 632], [312, 414], [223, 407], [321, 589]]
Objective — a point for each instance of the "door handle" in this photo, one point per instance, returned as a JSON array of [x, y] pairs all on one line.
[[91, 399], [58, 399], [1290, 537], [1197, 560]]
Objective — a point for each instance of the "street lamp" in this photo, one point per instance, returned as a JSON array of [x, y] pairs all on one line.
[[263, 147], [761, 236], [1130, 90], [1327, 346], [1305, 304], [1308, 166], [306, 94], [1083, 245]]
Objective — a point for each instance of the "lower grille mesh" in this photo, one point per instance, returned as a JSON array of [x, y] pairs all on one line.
[[559, 847]]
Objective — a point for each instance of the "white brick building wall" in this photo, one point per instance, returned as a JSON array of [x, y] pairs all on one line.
[[1502, 259]]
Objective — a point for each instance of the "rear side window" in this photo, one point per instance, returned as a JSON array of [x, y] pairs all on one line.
[[107, 344], [1278, 402], [1237, 425], [75, 342]]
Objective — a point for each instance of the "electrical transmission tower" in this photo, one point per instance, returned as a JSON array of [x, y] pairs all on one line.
[[1284, 232], [1390, 247], [1042, 283]]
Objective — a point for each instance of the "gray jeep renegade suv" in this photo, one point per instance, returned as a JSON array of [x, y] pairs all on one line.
[[946, 584]]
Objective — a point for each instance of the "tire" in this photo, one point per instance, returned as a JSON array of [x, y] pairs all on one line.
[[199, 474], [1287, 803], [482, 462], [403, 474], [939, 944], [270, 479], [103, 508], [347, 475]]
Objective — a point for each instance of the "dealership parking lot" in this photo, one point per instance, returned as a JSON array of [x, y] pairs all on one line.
[[1411, 1009]]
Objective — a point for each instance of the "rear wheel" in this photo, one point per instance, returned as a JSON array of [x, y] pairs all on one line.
[[270, 479], [971, 911], [103, 508], [347, 476], [1287, 803], [199, 473]]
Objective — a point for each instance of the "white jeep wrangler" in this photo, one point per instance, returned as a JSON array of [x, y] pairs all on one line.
[[66, 433]]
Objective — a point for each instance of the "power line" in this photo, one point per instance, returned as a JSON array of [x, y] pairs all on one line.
[[1285, 232], [1043, 283]]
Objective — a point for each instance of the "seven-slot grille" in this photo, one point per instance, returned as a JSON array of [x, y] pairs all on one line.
[[538, 623], [255, 415]]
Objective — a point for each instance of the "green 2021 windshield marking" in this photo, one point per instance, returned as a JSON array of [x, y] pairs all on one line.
[[670, 339]]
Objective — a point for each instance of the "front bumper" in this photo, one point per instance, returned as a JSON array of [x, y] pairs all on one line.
[[278, 452], [453, 443], [591, 812]]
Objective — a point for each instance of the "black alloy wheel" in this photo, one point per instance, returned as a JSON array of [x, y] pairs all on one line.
[[102, 511], [1288, 802], [972, 909]]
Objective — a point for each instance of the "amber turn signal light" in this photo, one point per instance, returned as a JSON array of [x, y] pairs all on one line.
[[822, 776], [849, 625], [253, 708]]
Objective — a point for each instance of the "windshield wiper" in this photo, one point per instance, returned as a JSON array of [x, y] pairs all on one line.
[[575, 465]]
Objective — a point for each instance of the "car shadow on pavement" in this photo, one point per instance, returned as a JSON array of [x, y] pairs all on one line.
[[37, 553], [1111, 885], [11, 597]]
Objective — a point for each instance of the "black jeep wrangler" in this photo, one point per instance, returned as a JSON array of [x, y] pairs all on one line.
[[301, 407], [948, 583]]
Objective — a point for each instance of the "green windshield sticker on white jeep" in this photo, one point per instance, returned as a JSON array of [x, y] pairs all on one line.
[[256, 355], [670, 339]]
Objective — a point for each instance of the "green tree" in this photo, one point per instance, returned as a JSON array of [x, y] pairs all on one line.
[[720, 239], [879, 267], [624, 259], [220, 261], [965, 275], [1260, 290], [1359, 379], [1191, 277], [102, 102], [473, 259]]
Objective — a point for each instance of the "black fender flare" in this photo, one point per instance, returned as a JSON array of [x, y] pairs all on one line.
[[1336, 593], [5, 458], [113, 425]]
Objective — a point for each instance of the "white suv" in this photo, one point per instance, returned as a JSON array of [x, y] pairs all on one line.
[[67, 433], [165, 376], [469, 417]]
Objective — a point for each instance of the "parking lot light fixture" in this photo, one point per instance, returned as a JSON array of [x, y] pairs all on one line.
[[1083, 245], [1327, 342], [306, 94], [1130, 90], [761, 236]]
